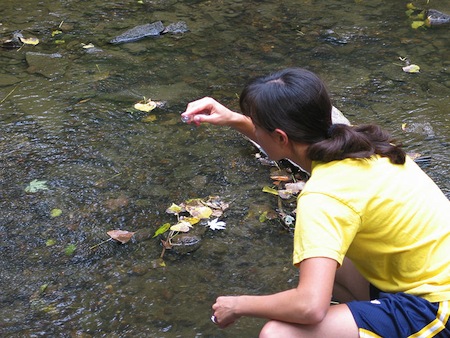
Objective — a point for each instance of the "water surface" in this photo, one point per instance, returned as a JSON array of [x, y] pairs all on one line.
[[70, 121]]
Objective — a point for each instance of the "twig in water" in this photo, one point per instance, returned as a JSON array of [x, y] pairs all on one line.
[[96, 245], [12, 91]]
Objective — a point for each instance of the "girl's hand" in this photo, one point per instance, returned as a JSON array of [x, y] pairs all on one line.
[[210, 111], [224, 311]]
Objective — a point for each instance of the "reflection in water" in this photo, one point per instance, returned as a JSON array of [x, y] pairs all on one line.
[[70, 121]]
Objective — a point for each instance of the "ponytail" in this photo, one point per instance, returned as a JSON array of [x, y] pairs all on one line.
[[361, 141]]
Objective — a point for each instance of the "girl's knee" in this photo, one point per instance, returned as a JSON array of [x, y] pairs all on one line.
[[272, 329]]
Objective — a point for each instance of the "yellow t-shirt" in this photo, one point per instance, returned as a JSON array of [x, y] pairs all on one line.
[[392, 221]]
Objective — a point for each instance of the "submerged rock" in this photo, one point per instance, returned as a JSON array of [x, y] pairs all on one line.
[[176, 28], [139, 32], [152, 29], [186, 243], [48, 65], [436, 18]]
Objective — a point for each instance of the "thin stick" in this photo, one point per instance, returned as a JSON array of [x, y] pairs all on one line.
[[96, 245], [12, 91]]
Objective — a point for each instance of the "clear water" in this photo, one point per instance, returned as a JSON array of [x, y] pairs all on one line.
[[70, 121]]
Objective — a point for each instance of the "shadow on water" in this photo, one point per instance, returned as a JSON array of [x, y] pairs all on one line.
[[69, 120]]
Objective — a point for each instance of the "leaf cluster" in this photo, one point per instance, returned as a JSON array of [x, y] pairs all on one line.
[[188, 214]]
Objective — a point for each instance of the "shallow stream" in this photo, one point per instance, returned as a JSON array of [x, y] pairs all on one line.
[[69, 120]]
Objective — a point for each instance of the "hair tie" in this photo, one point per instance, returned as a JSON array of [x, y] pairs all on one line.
[[330, 130]]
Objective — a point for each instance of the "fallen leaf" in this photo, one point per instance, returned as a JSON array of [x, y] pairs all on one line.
[[215, 224], [411, 69], [284, 194], [162, 229], [145, 105], [295, 187], [215, 202], [175, 209], [29, 41], [149, 118], [55, 212], [270, 190], [157, 263], [50, 242], [70, 249], [120, 235], [182, 226], [89, 45], [201, 211], [36, 185], [191, 220]]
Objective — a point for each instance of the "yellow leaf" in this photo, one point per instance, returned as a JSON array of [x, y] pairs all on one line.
[[56, 32], [146, 105], [263, 217], [417, 24], [403, 126], [191, 220], [200, 211], [149, 118], [182, 226], [55, 212], [270, 190], [174, 209], [411, 69], [30, 41], [89, 45]]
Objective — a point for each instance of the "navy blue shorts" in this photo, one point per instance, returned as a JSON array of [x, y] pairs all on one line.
[[401, 315]]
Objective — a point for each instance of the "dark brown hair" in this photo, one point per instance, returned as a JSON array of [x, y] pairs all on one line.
[[296, 101]]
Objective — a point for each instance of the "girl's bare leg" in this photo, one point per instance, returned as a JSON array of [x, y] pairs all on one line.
[[339, 322], [349, 284]]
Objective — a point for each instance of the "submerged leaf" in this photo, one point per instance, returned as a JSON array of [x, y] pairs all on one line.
[[157, 263], [120, 235], [149, 118], [55, 212], [70, 249], [263, 217], [36, 185], [50, 242]]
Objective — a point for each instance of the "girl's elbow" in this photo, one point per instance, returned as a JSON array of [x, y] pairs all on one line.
[[315, 314]]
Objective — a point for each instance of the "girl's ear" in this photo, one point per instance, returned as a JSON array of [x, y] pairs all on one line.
[[281, 136]]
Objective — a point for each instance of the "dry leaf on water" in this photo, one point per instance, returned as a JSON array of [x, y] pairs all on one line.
[[120, 235]]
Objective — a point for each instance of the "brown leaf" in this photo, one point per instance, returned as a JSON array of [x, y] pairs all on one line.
[[120, 235]]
